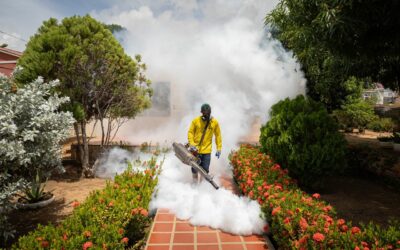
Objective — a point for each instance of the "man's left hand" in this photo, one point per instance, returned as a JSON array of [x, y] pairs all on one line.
[[218, 154]]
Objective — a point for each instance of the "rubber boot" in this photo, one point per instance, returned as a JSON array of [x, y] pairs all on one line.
[[194, 176]]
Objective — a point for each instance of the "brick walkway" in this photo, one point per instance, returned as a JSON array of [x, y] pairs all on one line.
[[170, 233]]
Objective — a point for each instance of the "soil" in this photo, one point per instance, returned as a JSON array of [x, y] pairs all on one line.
[[362, 199], [67, 188], [365, 196]]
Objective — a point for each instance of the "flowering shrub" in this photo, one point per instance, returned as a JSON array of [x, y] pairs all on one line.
[[31, 128], [298, 220], [105, 220]]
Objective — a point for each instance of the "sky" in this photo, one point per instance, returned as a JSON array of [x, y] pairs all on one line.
[[210, 51]]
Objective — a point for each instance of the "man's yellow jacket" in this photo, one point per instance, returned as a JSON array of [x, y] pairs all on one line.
[[196, 130]]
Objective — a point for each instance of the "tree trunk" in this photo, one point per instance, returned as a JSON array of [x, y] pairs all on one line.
[[87, 171], [80, 146]]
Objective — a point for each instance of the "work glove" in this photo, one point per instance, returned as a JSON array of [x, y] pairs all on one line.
[[218, 154], [193, 149]]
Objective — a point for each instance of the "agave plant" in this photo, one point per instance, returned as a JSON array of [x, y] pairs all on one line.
[[35, 190]]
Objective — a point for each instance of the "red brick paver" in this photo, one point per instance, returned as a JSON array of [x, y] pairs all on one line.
[[170, 233]]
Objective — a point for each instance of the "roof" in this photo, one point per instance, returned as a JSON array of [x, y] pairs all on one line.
[[11, 52]]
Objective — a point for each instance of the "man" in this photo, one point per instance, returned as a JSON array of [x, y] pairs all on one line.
[[200, 136]]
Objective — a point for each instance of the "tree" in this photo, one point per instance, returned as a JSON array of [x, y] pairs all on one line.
[[100, 79], [31, 129], [335, 40]]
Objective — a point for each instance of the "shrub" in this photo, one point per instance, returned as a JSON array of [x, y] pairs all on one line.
[[381, 125], [357, 114], [106, 219], [31, 128], [303, 138], [298, 220]]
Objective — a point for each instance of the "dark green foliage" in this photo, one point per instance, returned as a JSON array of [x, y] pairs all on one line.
[[381, 125], [335, 40], [136, 230], [355, 115], [303, 138]]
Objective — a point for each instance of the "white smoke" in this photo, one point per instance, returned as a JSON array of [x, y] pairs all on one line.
[[216, 52]]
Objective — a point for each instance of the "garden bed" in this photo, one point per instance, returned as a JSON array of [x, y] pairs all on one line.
[[297, 219], [123, 202]]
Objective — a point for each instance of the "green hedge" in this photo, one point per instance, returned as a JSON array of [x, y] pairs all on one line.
[[298, 220], [301, 136], [113, 218]]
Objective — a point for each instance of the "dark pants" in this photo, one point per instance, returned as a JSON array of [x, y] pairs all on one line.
[[205, 160]]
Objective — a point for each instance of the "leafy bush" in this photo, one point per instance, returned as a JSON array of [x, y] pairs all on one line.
[[31, 128], [303, 138], [298, 220], [357, 114], [381, 125], [113, 218]]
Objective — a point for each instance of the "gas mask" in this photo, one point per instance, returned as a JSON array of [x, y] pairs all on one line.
[[206, 115]]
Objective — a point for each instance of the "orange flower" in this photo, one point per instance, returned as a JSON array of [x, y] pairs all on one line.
[[65, 237], [316, 196], [87, 245], [75, 204], [87, 234], [276, 210], [340, 222], [125, 240], [111, 204], [121, 231], [355, 230], [318, 237], [144, 212], [327, 208], [286, 220], [303, 224], [344, 228]]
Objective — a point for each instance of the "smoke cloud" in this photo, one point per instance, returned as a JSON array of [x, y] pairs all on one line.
[[216, 52]]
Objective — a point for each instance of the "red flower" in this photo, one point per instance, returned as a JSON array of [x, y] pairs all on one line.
[[286, 220], [318, 237], [356, 248], [344, 228], [44, 244], [303, 239], [65, 237], [251, 194], [75, 204], [303, 224], [276, 210], [340, 222], [87, 245], [316, 196], [125, 240], [327, 208], [355, 230], [120, 231], [266, 228], [144, 212]]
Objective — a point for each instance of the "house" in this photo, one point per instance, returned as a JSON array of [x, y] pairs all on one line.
[[8, 60], [380, 94]]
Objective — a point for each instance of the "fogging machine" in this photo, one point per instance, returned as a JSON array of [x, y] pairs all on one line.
[[188, 158]]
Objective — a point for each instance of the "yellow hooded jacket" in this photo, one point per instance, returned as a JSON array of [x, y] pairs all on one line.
[[196, 130]]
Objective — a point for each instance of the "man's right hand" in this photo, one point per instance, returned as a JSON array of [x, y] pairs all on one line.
[[192, 148]]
